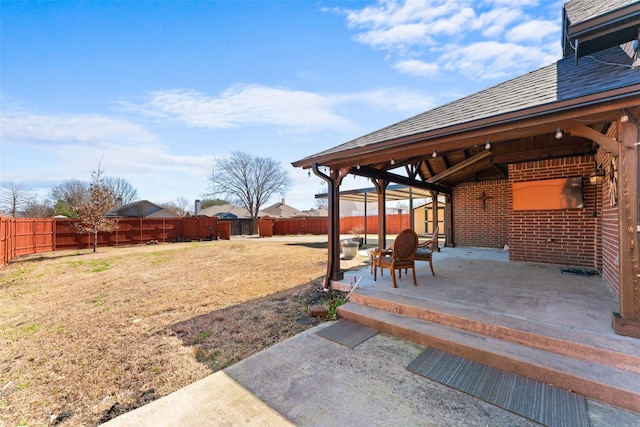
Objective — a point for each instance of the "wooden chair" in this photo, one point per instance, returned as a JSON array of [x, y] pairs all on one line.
[[426, 249], [399, 256]]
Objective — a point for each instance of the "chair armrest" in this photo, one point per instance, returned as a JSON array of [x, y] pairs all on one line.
[[426, 244]]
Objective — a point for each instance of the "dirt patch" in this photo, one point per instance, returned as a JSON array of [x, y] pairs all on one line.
[[85, 337]]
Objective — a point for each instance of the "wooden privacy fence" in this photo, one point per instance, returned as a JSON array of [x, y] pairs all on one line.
[[314, 225], [395, 223], [22, 236]]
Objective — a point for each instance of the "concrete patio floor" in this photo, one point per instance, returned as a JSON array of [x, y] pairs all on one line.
[[483, 282]]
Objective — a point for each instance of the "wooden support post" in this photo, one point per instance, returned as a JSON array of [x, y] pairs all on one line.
[[381, 189], [448, 221], [333, 225], [435, 216], [627, 322]]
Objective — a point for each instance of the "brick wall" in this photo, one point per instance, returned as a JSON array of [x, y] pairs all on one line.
[[609, 221], [578, 239], [475, 224], [566, 236]]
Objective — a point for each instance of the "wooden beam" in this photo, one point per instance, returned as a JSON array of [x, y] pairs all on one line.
[[577, 129], [374, 173], [509, 154], [460, 166], [628, 321]]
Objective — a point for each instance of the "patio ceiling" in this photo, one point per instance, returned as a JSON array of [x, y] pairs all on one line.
[[393, 192]]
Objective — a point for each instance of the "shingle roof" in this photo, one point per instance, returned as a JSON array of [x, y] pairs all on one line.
[[561, 81], [282, 210], [238, 211], [583, 10]]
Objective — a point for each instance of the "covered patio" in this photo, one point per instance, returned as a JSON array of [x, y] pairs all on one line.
[[496, 155], [546, 164]]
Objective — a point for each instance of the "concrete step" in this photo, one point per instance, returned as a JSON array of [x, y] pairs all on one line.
[[601, 382], [617, 352]]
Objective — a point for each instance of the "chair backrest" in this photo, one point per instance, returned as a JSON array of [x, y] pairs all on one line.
[[434, 241], [405, 245]]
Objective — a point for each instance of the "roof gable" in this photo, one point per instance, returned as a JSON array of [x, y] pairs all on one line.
[[141, 209], [592, 26]]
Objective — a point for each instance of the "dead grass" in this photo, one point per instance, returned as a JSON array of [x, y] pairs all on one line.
[[86, 336]]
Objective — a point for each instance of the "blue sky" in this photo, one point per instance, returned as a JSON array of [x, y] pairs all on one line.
[[159, 89]]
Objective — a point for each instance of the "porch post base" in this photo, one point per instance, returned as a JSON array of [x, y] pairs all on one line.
[[337, 275], [626, 327]]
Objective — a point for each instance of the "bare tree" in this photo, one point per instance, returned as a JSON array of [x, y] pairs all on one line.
[[13, 197], [212, 192], [70, 193], [183, 206], [38, 209], [322, 203], [91, 212], [250, 181], [123, 191], [213, 202], [180, 206]]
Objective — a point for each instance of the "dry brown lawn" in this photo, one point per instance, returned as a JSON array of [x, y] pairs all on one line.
[[85, 337]]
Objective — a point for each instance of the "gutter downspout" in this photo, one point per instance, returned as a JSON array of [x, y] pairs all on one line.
[[333, 235]]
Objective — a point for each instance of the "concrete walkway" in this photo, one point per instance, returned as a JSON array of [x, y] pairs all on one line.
[[310, 381]]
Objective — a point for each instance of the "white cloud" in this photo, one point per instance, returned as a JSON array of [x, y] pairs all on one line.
[[534, 31], [397, 36], [255, 105], [492, 24], [81, 128], [391, 99], [493, 59], [455, 23], [250, 105], [417, 68], [516, 36]]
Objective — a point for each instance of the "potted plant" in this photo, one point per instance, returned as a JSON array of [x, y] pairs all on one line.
[[356, 235], [349, 249]]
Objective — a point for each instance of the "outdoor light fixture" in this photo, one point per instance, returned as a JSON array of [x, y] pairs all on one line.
[[624, 118], [597, 176], [358, 167], [595, 179], [487, 146], [393, 162], [559, 134], [434, 154]]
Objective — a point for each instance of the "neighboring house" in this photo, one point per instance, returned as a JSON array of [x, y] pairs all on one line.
[[142, 209], [228, 211], [282, 210], [319, 212]]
